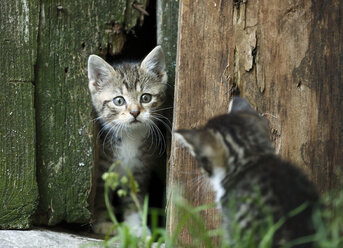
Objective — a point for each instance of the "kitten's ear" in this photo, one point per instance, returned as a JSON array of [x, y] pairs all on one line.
[[154, 62], [238, 104], [99, 72]]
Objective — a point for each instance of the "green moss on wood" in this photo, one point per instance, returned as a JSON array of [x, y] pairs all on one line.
[[167, 30], [18, 187], [18, 44], [69, 32]]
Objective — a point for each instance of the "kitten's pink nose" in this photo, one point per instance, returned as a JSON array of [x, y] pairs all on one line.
[[135, 113]]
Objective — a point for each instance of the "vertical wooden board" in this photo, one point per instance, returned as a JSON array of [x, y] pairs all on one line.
[[18, 44], [287, 62], [286, 58], [167, 29], [201, 92], [69, 31], [320, 71]]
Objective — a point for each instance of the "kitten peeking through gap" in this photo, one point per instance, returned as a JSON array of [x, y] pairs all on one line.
[[235, 151], [128, 98]]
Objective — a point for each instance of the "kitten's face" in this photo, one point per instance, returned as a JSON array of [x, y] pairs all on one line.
[[128, 95], [229, 139], [207, 146]]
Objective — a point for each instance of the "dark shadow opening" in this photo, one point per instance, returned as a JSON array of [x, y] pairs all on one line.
[[140, 40]]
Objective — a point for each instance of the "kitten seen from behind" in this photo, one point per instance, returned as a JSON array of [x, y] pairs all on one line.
[[128, 99], [250, 180]]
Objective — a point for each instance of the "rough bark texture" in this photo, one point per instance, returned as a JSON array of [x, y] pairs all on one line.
[[69, 31], [200, 93], [18, 43], [287, 60], [285, 57]]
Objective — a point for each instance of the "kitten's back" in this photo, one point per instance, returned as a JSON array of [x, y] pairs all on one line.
[[280, 188]]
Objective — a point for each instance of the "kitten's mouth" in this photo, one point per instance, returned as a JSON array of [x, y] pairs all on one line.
[[135, 121]]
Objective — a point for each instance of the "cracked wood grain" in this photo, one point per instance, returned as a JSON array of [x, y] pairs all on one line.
[[18, 44]]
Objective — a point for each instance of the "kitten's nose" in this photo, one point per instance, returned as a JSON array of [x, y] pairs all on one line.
[[135, 113]]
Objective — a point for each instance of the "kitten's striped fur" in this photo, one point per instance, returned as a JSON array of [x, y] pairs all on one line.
[[128, 99], [235, 151]]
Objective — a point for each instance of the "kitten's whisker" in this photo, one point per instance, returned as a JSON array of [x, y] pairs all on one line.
[[161, 109], [113, 136], [114, 130], [122, 129], [161, 139], [163, 122], [162, 117], [194, 182], [103, 128], [110, 132], [199, 187], [150, 134], [169, 85], [97, 118], [195, 192], [155, 134]]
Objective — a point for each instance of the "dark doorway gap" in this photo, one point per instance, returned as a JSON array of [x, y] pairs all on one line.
[[140, 40]]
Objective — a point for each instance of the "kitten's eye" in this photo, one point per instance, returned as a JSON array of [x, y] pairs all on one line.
[[205, 165], [203, 160], [119, 101], [145, 98]]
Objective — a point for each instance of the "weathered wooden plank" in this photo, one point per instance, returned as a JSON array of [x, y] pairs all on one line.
[[167, 31], [69, 32], [287, 62], [18, 44], [285, 57], [200, 93]]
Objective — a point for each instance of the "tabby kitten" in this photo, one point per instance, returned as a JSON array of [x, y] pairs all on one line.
[[250, 181], [128, 100]]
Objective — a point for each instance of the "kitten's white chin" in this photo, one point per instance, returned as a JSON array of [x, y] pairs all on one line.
[[136, 124], [216, 179], [137, 127]]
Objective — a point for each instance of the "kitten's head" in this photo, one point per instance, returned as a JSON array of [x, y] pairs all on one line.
[[229, 141], [128, 94]]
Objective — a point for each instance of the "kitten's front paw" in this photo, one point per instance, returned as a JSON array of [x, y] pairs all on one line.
[[134, 222], [139, 231], [104, 228]]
